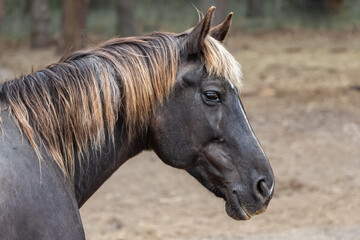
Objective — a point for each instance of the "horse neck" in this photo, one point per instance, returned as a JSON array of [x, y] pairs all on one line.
[[90, 156], [102, 164], [102, 156]]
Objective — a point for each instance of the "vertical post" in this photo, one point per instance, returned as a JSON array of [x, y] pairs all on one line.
[[278, 6], [73, 31], [40, 34], [125, 18]]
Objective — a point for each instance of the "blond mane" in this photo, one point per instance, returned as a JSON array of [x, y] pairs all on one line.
[[70, 107]]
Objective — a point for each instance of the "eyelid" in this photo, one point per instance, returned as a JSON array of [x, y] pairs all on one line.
[[208, 97]]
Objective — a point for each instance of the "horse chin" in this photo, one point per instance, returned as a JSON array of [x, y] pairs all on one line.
[[235, 210]]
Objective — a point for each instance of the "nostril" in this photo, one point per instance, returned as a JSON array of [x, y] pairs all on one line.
[[263, 189]]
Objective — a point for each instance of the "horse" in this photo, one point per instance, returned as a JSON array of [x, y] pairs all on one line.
[[67, 128]]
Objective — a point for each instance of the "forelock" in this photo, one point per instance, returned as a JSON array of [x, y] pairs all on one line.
[[219, 62]]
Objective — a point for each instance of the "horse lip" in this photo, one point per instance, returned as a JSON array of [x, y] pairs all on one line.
[[241, 206], [234, 207], [238, 214]]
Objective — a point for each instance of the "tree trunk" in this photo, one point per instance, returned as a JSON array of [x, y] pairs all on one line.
[[255, 8], [73, 30], [220, 12], [40, 34], [125, 18], [2, 5]]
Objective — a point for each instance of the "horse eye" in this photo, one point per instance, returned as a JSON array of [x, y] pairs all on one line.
[[212, 96]]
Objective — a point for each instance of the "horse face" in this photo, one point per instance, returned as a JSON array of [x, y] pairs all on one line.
[[202, 128]]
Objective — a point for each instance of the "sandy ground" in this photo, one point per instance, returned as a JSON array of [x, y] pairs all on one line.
[[302, 95]]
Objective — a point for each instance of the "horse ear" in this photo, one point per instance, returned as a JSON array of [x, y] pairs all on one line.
[[196, 38], [220, 31]]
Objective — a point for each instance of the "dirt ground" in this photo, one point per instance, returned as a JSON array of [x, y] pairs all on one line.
[[302, 96]]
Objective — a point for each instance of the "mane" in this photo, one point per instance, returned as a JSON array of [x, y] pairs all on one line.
[[71, 107]]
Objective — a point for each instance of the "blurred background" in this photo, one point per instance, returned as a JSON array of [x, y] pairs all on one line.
[[67, 21], [301, 64]]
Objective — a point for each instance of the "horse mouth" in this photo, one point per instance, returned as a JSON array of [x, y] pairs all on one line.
[[234, 207]]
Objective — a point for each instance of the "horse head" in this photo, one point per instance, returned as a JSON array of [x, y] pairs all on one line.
[[202, 127]]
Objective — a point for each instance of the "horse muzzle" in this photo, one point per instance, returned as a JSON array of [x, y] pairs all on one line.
[[242, 204]]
